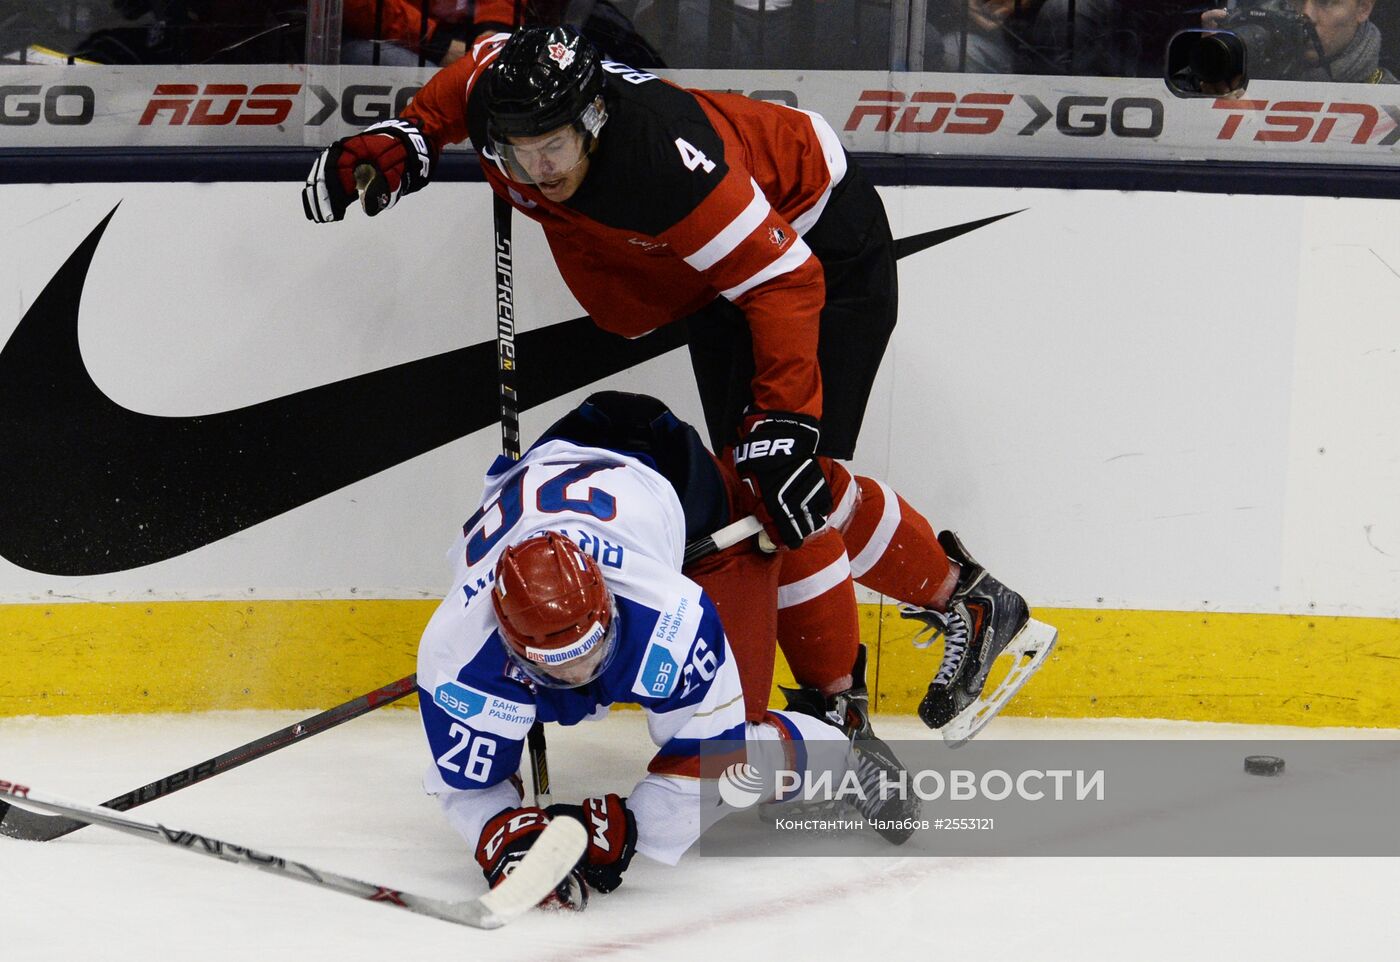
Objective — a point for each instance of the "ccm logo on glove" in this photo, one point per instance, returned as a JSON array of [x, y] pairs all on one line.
[[504, 843], [612, 838]]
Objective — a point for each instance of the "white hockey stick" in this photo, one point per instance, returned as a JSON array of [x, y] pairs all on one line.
[[553, 855], [727, 537]]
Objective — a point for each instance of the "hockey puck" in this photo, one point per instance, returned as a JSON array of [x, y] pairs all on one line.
[[1263, 765]]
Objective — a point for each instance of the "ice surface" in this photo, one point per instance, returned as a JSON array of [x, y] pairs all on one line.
[[349, 801]]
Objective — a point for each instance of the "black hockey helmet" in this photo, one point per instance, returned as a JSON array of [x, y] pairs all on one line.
[[544, 78]]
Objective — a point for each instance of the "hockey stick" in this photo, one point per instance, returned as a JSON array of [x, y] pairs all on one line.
[[505, 329], [535, 743], [553, 856], [28, 826], [726, 537]]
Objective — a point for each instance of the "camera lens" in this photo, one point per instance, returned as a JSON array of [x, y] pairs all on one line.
[[1218, 57], [1205, 63]]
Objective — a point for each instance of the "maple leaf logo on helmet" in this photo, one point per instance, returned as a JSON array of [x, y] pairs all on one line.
[[560, 54]]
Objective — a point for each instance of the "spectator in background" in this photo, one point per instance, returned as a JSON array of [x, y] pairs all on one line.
[[199, 31], [1031, 37], [396, 28], [607, 25], [1098, 42], [770, 34], [1350, 44], [976, 36], [394, 33]]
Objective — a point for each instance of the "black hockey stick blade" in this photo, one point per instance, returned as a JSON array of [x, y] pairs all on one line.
[[552, 857], [29, 826]]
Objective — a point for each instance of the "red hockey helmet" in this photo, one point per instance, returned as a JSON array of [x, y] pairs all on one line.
[[555, 610]]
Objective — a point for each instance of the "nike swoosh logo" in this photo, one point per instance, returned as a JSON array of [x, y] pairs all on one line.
[[91, 487]]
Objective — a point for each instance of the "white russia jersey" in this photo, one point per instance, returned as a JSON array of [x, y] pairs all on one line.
[[600, 496], [612, 505], [670, 655]]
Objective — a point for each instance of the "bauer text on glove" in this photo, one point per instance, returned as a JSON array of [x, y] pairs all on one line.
[[396, 155], [777, 458]]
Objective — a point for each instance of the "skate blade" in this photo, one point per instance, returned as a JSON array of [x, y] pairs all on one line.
[[1031, 646]]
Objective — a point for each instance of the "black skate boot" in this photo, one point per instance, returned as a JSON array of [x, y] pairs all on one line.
[[848, 710], [983, 617], [889, 800]]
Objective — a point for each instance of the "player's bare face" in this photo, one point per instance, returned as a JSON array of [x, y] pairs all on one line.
[[555, 162]]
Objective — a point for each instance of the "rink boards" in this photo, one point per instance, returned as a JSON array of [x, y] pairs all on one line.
[[1165, 417]]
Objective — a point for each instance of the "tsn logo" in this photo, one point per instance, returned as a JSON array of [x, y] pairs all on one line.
[[219, 105], [1294, 121]]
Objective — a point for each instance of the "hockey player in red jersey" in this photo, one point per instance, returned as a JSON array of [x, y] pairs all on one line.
[[748, 222]]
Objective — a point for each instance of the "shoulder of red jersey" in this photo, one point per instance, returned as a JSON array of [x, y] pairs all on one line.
[[658, 157], [443, 109]]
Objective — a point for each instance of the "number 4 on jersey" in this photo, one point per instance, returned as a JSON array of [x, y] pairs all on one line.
[[692, 157]]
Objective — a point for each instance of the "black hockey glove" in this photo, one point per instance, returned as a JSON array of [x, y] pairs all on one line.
[[395, 152], [505, 840], [612, 838], [776, 457]]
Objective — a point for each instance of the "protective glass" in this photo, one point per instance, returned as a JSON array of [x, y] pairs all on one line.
[[573, 666], [537, 160]]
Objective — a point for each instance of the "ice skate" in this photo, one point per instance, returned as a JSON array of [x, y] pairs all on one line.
[[848, 710], [881, 774], [984, 620]]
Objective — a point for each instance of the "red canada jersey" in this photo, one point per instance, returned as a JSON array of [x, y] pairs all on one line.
[[690, 195]]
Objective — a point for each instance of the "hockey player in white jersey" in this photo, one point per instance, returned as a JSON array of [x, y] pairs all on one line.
[[569, 598]]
